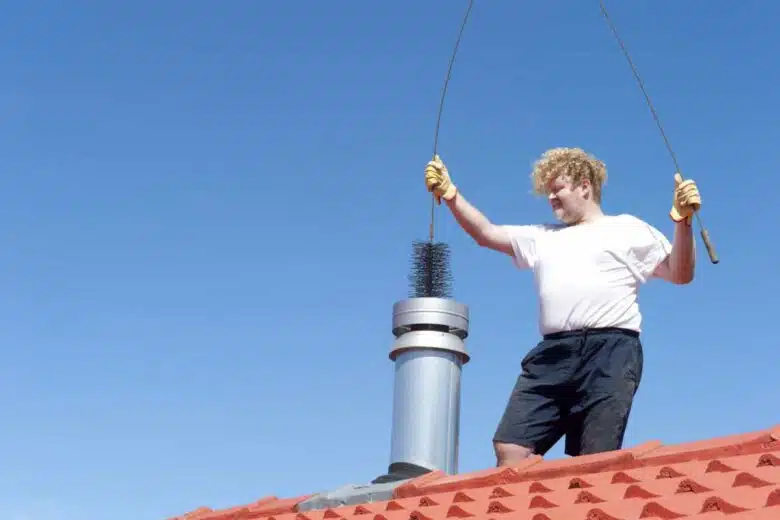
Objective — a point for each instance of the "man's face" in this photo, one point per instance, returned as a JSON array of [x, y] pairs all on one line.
[[567, 201]]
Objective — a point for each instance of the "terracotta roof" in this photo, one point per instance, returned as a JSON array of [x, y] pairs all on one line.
[[735, 477]]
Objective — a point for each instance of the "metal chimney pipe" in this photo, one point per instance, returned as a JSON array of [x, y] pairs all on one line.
[[429, 353]]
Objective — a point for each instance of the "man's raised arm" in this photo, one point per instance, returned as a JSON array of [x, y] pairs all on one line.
[[473, 222], [680, 265]]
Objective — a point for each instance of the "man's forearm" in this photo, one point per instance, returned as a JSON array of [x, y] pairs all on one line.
[[470, 218], [682, 261]]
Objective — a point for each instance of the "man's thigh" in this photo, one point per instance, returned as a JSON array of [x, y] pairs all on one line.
[[599, 416], [534, 417]]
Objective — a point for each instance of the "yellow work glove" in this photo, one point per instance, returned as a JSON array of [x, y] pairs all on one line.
[[686, 199], [438, 181]]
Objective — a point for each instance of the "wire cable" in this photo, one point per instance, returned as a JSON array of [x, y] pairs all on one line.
[[704, 234], [441, 108]]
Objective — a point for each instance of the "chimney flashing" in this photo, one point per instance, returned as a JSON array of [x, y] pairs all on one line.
[[350, 495]]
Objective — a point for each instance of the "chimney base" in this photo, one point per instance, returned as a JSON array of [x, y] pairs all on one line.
[[401, 471]]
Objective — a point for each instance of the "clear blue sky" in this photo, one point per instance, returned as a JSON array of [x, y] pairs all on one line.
[[207, 211]]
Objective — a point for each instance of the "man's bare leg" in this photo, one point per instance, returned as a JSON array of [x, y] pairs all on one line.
[[510, 454]]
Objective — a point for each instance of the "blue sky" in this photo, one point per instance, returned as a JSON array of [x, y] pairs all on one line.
[[207, 211]]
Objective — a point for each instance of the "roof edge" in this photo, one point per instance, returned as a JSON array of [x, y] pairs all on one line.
[[651, 453]]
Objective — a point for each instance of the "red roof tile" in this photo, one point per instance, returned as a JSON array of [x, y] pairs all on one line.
[[737, 476]]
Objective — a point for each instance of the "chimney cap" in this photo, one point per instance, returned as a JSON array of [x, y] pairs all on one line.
[[440, 313]]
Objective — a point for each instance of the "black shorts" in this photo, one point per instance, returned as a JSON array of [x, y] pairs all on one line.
[[580, 384]]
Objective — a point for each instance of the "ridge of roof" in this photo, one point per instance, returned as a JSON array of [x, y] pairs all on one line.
[[737, 475]]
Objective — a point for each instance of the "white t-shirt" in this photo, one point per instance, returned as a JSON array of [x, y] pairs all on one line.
[[588, 275]]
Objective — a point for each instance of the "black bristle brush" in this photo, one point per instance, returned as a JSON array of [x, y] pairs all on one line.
[[430, 275]]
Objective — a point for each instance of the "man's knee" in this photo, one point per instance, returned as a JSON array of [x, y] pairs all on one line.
[[510, 454], [603, 425]]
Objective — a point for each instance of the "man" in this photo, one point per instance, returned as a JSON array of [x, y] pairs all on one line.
[[580, 380]]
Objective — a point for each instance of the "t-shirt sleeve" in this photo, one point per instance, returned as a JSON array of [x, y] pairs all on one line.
[[649, 249], [523, 239]]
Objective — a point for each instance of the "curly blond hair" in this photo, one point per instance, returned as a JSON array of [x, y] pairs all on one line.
[[573, 163]]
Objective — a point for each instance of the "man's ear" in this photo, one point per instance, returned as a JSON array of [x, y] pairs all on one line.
[[587, 188]]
